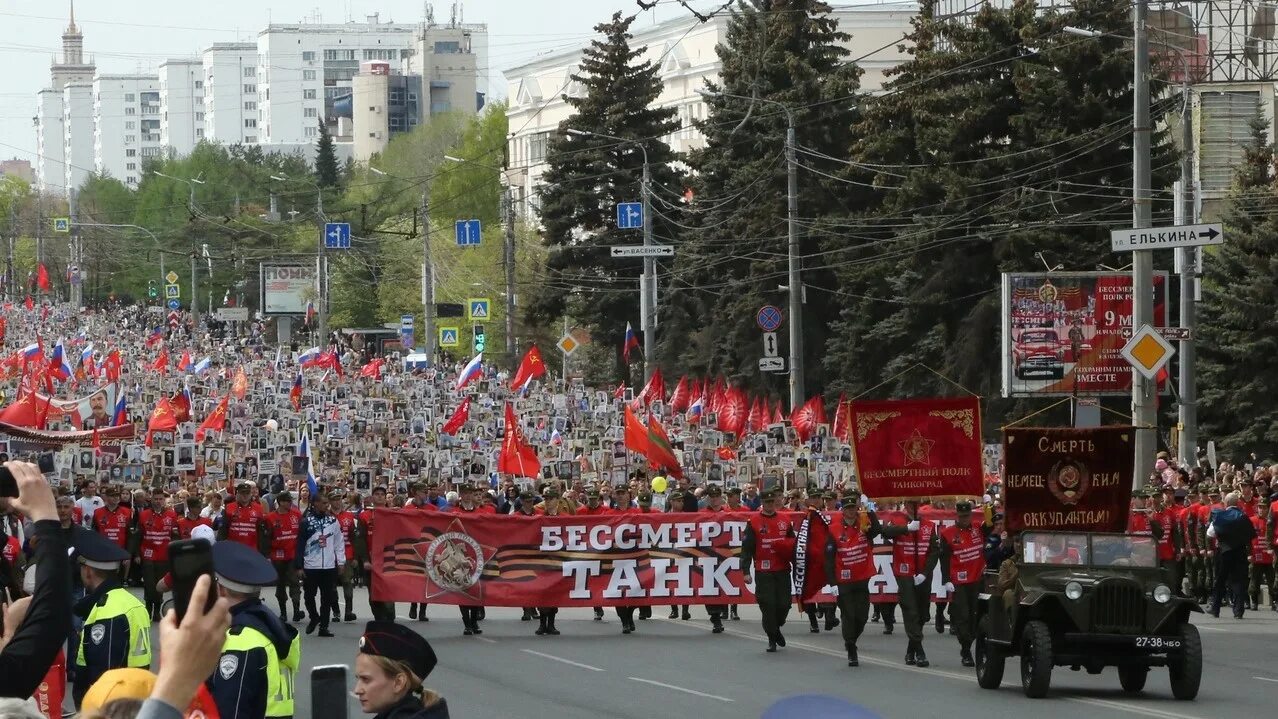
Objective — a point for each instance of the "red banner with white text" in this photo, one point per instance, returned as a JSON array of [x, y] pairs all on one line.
[[571, 561], [918, 447]]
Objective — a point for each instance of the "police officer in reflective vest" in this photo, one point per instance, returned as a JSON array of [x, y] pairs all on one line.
[[849, 561], [117, 626], [254, 677], [962, 569], [767, 551]]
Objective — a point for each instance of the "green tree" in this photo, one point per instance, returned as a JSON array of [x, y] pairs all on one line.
[[775, 54], [587, 175], [326, 168], [1020, 172], [1238, 321]]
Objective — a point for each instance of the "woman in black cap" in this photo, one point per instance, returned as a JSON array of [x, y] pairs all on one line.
[[389, 669]]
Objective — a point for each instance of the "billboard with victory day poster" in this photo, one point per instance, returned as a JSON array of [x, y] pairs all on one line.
[[1063, 332]]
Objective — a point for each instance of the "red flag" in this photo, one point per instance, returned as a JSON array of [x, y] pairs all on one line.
[[818, 409], [636, 434], [777, 417], [295, 393], [22, 412], [620, 391], [161, 363], [112, 366], [181, 403], [530, 368], [459, 418], [372, 369], [30, 303], [655, 389], [162, 419], [216, 420], [42, 278], [4, 325], [682, 397], [726, 453], [840, 428], [732, 411], [758, 415], [185, 363], [239, 385], [714, 396], [804, 419], [516, 456], [660, 452]]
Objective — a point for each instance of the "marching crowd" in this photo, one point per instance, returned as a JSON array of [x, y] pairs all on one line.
[[305, 529]]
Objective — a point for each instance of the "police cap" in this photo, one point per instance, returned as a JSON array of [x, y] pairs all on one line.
[[97, 551], [850, 499], [241, 568], [714, 490], [398, 642], [592, 493]]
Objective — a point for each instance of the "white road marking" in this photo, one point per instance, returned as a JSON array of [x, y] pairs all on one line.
[[965, 677], [486, 639], [1266, 679], [693, 692], [569, 662]]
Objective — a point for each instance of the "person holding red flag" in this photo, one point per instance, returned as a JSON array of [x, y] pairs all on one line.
[[530, 368]]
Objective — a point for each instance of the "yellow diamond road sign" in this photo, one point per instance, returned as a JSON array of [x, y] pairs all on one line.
[[172, 277], [1147, 351], [568, 345]]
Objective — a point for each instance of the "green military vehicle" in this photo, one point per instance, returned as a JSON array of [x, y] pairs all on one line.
[[1087, 601]]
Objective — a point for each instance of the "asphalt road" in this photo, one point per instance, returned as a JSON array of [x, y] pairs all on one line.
[[675, 668]]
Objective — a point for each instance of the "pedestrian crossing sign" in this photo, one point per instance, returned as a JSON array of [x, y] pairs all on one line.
[[478, 309], [448, 336]]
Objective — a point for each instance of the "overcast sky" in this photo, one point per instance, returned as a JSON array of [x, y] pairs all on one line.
[[135, 36]]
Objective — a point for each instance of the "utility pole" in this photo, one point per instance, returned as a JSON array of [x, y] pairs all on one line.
[[1187, 409], [73, 290], [13, 236], [649, 294], [1144, 417], [195, 298], [321, 272], [428, 279], [795, 280], [508, 260]]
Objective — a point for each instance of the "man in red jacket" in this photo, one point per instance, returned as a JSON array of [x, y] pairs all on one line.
[[113, 521], [244, 521], [157, 526], [346, 520], [914, 555], [282, 528], [1262, 559], [594, 507], [849, 562], [192, 519], [767, 551], [962, 558]]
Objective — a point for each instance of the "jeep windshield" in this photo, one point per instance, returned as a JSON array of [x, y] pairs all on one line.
[[1082, 549], [1038, 337]]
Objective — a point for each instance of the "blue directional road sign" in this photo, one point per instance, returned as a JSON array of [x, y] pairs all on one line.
[[629, 215], [337, 236], [174, 304], [467, 233]]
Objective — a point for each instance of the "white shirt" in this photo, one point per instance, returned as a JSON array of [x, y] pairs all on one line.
[[87, 506]]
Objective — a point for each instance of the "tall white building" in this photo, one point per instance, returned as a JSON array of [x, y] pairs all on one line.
[[684, 50], [230, 93], [77, 141], [303, 68], [51, 135], [181, 105], [126, 124]]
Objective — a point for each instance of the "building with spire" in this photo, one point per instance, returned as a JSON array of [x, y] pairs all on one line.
[[64, 153]]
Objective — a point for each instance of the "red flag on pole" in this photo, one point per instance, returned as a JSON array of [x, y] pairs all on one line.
[[162, 419], [373, 369], [655, 389], [660, 452], [459, 418], [530, 368], [42, 278], [516, 456], [636, 434], [161, 363], [732, 411], [682, 396], [216, 420]]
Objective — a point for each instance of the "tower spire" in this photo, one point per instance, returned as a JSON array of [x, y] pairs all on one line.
[[71, 28]]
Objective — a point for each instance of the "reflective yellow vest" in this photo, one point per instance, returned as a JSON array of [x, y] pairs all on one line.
[[279, 672], [119, 603]]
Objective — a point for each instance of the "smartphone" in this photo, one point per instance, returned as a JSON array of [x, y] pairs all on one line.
[[9, 484], [329, 691], [190, 559]]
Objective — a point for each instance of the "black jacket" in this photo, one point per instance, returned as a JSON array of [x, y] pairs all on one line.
[[27, 658], [410, 707]]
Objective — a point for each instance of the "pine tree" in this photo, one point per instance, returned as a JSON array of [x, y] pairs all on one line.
[[326, 170], [1237, 329], [997, 141], [588, 175], [734, 253]]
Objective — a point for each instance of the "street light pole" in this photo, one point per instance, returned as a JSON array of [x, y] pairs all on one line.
[[793, 250], [647, 283], [321, 262], [1144, 416]]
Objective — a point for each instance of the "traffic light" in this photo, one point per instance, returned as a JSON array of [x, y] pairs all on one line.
[[479, 339], [151, 290]]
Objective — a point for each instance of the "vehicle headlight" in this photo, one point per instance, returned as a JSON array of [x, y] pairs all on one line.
[[1162, 594], [1073, 590]]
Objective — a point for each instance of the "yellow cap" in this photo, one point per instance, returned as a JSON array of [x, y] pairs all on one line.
[[118, 684]]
